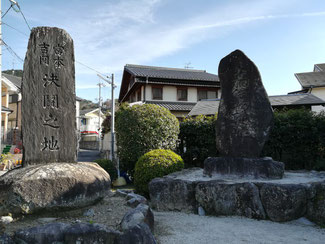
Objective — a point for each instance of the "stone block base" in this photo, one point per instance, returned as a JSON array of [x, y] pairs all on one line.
[[244, 167], [298, 194]]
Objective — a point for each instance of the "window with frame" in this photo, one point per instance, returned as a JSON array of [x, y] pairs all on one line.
[[139, 96], [157, 93], [206, 94], [202, 94], [182, 94], [84, 121]]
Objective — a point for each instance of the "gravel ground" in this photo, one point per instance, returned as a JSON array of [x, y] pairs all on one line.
[[182, 228]]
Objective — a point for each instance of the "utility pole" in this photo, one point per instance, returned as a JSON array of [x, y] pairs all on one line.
[[100, 84], [113, 86], [0, 78]]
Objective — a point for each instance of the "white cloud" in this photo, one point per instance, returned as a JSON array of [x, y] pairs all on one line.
[[109, 35]]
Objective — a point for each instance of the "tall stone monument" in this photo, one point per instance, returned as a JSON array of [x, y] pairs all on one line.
[[50, 179], [48, 98], [244, 121]]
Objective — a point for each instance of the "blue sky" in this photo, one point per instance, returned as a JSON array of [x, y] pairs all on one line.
[[281, 37]]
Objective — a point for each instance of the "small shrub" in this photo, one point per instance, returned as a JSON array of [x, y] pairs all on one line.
[[142, 128], [153, 164], [108, 166]]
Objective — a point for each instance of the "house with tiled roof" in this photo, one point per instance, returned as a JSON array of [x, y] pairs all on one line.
[[314, 83], [290, 101], [175, 89]]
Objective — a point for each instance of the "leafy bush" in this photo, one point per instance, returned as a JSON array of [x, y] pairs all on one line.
[[108, 166], [197, 140], [142, 128], [155, 163], [297, 139]]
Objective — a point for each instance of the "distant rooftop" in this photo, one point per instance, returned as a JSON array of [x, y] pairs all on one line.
[[170, 73], [210, 107], [14, 79], [319, 67], [311, 79]]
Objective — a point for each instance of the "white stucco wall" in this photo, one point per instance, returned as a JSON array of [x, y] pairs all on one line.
[[192, 94], [319, 92], [169, 93], [148, 92], [78, 115]]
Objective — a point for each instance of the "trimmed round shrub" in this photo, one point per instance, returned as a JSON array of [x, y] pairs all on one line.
[[108, 166], [142, 128], [153, 164]]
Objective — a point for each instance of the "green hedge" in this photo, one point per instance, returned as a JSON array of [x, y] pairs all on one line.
[[142, 128], [108, 166], [197, 140], [153, 164], [298, 139]]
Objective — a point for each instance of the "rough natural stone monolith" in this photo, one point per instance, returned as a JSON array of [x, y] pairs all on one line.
[[245, 114], [48, 98]]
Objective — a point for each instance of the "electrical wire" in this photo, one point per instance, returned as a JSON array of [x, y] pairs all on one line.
[[12, 52], [91, 68], [23, 16], [6, 11], [15, 29]]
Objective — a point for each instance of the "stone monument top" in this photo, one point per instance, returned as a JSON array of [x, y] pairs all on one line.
[[48, 98], [244, 122], [245, 114]]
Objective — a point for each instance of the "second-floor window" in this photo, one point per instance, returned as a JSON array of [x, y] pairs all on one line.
[[181, 94], [206, 94], [157, 93]]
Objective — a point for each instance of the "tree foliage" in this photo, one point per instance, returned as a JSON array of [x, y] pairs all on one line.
[[298, 139], [142, 128], [197, 140]]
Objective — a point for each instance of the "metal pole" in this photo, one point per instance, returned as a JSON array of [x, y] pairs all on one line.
[[99, 116], [0, 79], [113, 126]]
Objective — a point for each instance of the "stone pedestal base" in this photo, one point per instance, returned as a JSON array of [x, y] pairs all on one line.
[[244, 167]]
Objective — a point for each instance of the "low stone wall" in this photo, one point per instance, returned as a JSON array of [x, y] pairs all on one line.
[[89, 145], [296, 195]]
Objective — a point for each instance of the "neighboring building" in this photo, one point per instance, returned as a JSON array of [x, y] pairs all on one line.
[[89, 124], [292, 101], [175, 89], [11, 104], [314, 83]]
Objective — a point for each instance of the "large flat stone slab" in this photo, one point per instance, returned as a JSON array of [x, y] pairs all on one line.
[[297, 194], [244, 167], [50, 187]]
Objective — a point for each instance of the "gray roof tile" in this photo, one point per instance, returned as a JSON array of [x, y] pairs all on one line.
[[174, 106], [211, 107], [314, 79], [320, 67], [14, 79], [170, 73]]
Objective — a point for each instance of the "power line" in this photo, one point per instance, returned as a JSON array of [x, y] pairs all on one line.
[[6, 11], [91, 68], [12, 52], [15, 29], [23, 16]]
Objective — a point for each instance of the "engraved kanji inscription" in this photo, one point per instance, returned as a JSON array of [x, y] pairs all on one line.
[[59, 50], [51, 121], [50, 101], [44, 58], [58, 62], [49, 80], [50, 144]]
